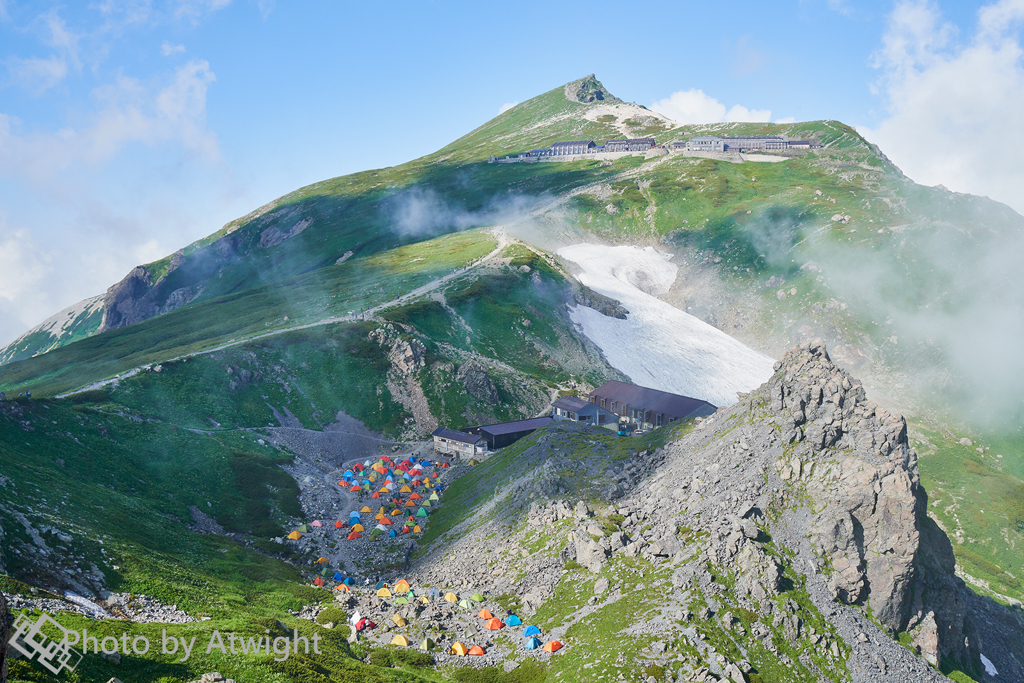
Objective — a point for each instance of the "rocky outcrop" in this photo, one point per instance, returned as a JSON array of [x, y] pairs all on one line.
[[605, 305], [473, 376], [126, 303], [589, 89]]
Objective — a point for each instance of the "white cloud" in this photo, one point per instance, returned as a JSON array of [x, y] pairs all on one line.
[[741, 113], [129, 113], [39, 74], [167, 49], [505, 107], [787, 119], [695, 106], [952, 103]]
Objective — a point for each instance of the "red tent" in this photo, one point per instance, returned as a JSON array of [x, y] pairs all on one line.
[[318, 581], [353, 536], [339, 524]]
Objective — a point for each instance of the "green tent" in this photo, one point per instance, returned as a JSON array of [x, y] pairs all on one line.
[[401, 601], [324, 571], [425, 503], [476, 597], [434, 496], [422, 512], [304, 529], [427, 645], [464, 604]]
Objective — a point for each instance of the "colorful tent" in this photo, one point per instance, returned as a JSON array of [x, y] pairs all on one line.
[[399, 621], [513, 620], [321, 560], [339, 524], [383, 593], [337, 576], [401, 601], [434, 496], [476, 597], [354, 536], [348, 581], [375, 495], [451, 597], [405, 489], [531, 631], [460, 649], [422, 512], [477, 651], [342, 587], [364, 624], [552, 646], [427, 645], [494, 625], [402, 587], [294, 536], [533, 642], [354, 487], [484, 613], [401, 641], [410, 504], [316, 522], [423, 599], [385, 520], [366, 509], [392, 534], [406, 529], [417, 530], [318, 581], [358, 527], [464, 604], [380, 584]]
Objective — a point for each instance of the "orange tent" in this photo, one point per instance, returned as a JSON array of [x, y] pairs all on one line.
[[410, 504], [322, 560], [402, 586], [354, 487], [354, 535], [405, 489], [318, 581], [552, 646], [342, 587], [339, 524], [295, 535], [375, 495], [477, 651], [485, 614], [415, 496], [493, 625], [385, 520], [460, 650]]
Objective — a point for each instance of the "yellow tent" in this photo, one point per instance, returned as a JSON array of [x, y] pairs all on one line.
[[405, 489], [383, 593], [358, 527], [400, 640], [396, 512], [402, 587], [379, 516], [295, 535], [399, 621], [451, 597], [382, 511], [460, 650], [417, 530], [366, 508], [423, 599]]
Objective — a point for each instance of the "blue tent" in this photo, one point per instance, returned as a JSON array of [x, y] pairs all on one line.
[[533, 643], [531, 631], [348, 581], [337, 576], [392, 534], [513, 620], [348, 474]]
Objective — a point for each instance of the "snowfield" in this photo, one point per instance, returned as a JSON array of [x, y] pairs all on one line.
[[658, 345]]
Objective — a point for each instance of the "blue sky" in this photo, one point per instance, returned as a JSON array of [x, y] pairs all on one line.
[[131, 128]]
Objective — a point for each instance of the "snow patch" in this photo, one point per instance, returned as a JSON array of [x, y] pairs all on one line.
[[990, 668], [658, 345]]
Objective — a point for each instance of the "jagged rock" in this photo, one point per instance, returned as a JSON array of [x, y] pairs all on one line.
[[125, 303], [473, 376], [605, 305]]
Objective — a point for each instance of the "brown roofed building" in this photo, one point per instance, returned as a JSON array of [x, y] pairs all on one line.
[[648, 408]]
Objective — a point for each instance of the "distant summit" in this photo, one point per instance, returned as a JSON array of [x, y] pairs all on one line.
[[589, 89]]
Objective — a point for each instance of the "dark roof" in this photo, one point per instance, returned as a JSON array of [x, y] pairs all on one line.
[[644, 398], [650, 140], [752, 137], [570, 403], [517, 426], [574, 142], [453, 435]]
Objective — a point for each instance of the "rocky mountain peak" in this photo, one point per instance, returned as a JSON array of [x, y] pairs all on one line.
[[588, 89]]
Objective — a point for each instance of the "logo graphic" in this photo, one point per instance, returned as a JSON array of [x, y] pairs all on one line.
[[52, 645]]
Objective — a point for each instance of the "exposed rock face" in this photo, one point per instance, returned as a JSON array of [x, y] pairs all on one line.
[[125, 303], [589, 89], [473, 376], [605, 305]]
